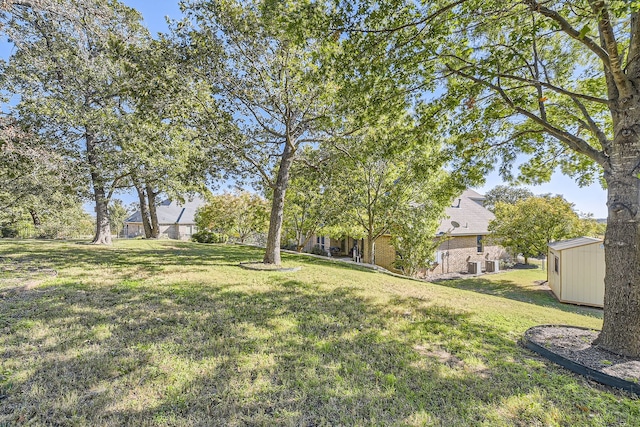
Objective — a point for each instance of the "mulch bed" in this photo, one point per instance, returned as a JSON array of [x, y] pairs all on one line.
[[572, 348]]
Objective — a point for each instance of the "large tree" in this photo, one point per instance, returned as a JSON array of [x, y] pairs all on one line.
[[69, 82], [556, 81], [261, 61]]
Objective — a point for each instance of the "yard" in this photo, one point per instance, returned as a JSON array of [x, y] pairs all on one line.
[[171, 333]]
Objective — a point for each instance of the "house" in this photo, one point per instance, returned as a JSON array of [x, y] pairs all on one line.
[[575, 271], [466, 225], [176, 220]]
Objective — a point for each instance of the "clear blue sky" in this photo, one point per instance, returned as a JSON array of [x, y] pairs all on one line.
[[590, 199]]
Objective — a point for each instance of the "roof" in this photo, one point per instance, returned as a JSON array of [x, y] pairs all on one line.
[[468, 212], [573, 243], [173, 212]]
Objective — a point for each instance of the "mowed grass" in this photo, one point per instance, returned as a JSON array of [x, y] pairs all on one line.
[[168, 333]]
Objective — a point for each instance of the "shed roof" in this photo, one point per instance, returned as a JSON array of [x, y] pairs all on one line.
[[468, 211], [573, 243], [173, 212]]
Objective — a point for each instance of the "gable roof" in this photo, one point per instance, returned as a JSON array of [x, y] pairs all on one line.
[[468, 212], [573, 243], [172, 212]]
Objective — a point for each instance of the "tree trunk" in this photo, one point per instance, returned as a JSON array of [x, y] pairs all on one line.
[[35, 218], [371, 250], [272, 253], [103, 229], [153, 212], [621, 324], [144, 210]]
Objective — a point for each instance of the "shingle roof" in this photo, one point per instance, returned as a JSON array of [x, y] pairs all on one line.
[[469, 213], [573, 243], [172, 212]]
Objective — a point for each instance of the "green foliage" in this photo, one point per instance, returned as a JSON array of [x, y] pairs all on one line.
[[205, 236], [505, 194], [118, 213], [317, 250], [240, 215], [68, 76], [389, 179], [310, 201], [527, 226]]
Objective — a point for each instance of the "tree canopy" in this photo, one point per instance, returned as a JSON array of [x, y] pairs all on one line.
[[528, 225]]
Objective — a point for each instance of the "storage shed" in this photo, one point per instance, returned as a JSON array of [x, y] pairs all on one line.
[[576, 271]]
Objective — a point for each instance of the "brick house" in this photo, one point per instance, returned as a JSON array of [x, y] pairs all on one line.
[[466, 223]]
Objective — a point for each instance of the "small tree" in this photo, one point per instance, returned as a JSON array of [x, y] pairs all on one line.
[[238, 215], [527, 226], [118, 213]]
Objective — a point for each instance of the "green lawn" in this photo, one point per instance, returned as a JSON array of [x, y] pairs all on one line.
[[168, 333]]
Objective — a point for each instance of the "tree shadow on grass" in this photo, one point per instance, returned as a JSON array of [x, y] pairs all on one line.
[[149, 257], [511, 290], [293, 354]]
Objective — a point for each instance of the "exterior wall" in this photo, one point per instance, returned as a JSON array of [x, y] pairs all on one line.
[[167, 231], [133, 230], [314, 241], [582, 271], [454, 254], [384, 253], [554, 279]]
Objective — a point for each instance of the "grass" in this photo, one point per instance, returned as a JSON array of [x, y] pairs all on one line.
[[171, 333]]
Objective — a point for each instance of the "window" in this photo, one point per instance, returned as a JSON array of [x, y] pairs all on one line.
[[556, 264], [479, 244]]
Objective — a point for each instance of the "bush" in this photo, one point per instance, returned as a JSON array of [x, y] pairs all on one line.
[[209, 237], [8, 231], [317, 250]]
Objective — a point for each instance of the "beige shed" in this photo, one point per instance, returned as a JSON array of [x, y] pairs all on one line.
[[576, 271]]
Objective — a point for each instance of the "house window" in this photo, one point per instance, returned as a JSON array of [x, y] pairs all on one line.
[[556, 264], [479, 244]]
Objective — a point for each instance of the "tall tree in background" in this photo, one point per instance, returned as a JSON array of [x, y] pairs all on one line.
[[261, 58], [70, 82], [528, 225], [310, 202]]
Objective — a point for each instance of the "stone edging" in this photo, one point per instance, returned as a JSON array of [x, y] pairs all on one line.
[[578, 368]]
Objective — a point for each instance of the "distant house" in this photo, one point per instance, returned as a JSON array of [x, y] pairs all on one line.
[[176, 220], [466, 223], [575, 271]]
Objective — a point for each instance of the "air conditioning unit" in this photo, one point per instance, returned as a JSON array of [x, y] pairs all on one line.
[[492, 266], [474, 267]]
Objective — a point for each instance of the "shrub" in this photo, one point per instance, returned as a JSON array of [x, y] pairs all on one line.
[[205, 236], [317, 250]]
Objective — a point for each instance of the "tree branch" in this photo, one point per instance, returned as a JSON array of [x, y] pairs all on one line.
[[575, 143], [569, 30]]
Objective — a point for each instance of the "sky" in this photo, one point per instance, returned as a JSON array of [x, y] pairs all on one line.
[[591, 199]]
